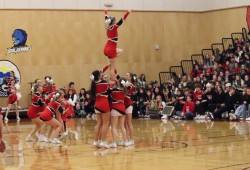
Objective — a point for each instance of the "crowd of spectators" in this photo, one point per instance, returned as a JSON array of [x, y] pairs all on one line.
[[217, 85]]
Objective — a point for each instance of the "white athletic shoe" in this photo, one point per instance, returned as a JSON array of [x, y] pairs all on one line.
[[121, 143], [18, 118], [56, 141], [49, 140], [113, 145], [43, 138], [103, 145], [6, 119], [127, 143], [197, 117], [29, 138], [164, 117], [248, 119]]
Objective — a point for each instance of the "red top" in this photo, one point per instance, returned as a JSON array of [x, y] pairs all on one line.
[[37, 100], [131, 89], [49, 88], [102, 88], [54, 106], [198, 95], [188, 107], [12, 90], [112, 32], [118, 97], [9, 81]]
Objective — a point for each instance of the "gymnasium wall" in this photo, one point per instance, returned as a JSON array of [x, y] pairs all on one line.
[[142, 5], [68, 45]]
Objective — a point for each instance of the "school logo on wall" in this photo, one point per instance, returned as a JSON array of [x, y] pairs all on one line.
[[5, 67], [19, 38]]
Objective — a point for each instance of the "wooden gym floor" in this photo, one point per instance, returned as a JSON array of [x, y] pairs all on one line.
[[173, 145]]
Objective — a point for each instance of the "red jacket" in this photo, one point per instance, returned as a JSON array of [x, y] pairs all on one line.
[[197, 95], [188, 107]]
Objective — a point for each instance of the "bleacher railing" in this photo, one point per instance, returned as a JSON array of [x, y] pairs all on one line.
[[208, 52], [176, 70], [164, 77], [217, 48], [238, 35], [197, 57], [227, 42], [245, 34], [187, 66]]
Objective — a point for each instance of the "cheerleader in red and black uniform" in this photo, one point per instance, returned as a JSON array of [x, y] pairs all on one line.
[[12, 99], [99, 93], [37, 106], [110, 49], [129, 106], [118, 112], [54, 108], [48, 88]]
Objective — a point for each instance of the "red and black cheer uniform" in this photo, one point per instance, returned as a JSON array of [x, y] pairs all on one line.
[[49, 92], [50, 111], [37, 106], [9, 80], [112, 34], [118, 96], [101, 101], [130, 90], [12, 95]]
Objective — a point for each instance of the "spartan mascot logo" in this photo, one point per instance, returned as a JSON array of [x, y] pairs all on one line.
[[19, 38]]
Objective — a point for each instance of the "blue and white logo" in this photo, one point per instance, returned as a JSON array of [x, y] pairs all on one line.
[[19, 38]]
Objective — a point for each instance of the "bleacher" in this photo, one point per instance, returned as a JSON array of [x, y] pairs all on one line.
[[186, 66]]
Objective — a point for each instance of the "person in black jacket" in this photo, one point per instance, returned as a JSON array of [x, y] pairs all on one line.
[[231, 98]]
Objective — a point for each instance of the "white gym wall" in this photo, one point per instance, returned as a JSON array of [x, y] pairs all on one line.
[[147, 5]]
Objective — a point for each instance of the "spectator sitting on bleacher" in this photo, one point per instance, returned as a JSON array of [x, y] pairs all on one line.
[[188, 109], [196, 71], [142, 81], [243, 110], [247, 80], [157, 91], [238, 82], [200, 102], [158, 104], [167, 96], [140, 99], [231, 99]]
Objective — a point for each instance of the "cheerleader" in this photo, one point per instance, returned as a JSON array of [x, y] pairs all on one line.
[[48, 88], [37, 106], [118, 112], [54, 109], [12, 99], [99, 93], [37, 81], [129, 106], [110, 49], [65, 110]]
